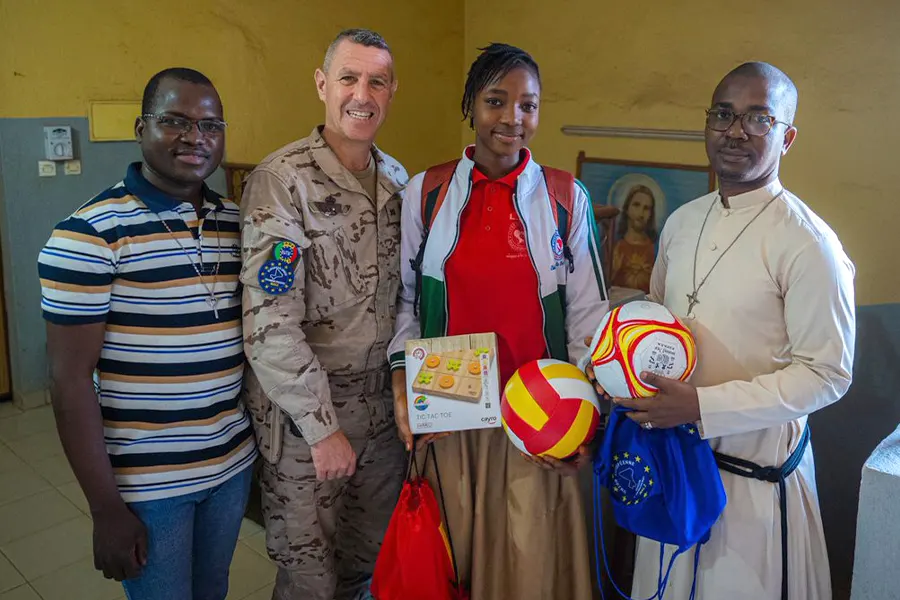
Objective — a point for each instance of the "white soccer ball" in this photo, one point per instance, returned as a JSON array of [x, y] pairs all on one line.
[[641, 336]]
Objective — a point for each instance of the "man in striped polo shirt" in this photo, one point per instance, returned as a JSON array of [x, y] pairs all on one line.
[[141, 284]]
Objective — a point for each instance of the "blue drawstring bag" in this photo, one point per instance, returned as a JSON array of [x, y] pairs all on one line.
[[665, 486]]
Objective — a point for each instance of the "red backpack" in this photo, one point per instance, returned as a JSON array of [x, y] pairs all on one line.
[[560, 187]]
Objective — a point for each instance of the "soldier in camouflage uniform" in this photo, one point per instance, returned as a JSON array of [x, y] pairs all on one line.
[[317, 321]]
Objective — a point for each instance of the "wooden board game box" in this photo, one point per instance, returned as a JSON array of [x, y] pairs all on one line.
[[452, 383]]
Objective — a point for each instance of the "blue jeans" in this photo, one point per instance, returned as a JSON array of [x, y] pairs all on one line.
[[191, 541]]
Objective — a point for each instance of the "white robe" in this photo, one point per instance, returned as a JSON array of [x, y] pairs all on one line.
[[775, 330]]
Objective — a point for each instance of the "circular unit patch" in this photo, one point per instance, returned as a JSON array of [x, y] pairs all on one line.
[[276, 277], [286, 252]]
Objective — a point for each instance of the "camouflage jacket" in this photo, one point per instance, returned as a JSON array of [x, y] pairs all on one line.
[[337, 316]]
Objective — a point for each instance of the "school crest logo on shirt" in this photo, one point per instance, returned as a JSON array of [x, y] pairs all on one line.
[[556, 245], [516, 239], [632, 478]]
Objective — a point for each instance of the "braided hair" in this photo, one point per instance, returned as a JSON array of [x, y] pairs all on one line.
[[492, 65]]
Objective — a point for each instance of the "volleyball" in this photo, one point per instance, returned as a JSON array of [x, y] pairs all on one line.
[[641, 336], [549, 408]]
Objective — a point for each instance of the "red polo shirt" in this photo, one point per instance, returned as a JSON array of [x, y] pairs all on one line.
[[491, 284]]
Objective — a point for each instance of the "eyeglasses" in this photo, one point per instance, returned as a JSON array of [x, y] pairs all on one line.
[[758, 124], [182, 125]]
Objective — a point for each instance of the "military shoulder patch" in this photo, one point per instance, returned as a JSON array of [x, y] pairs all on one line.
[[276, 277], [286, 251]]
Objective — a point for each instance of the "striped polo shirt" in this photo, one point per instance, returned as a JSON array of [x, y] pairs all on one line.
[[171, 370]]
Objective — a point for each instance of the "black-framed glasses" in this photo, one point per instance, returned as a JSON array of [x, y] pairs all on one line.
[[182, 125], [753, 123]]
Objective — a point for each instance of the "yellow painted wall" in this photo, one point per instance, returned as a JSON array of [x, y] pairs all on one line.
[[604, 62], [655, 64], [56, 55]]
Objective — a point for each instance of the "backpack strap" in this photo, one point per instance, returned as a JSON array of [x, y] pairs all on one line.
[[434, 190], [561, 188], [600, 482]]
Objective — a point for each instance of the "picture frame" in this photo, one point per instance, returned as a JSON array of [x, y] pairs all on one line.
[[632, 201], [235, 175]]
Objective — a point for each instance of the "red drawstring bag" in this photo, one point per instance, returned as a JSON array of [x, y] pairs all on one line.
[[416, 561]]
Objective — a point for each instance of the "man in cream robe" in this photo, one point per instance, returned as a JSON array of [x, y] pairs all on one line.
[[774, 323]]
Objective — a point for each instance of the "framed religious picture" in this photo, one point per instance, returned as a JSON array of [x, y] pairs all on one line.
[[632, 201], [235, 175]]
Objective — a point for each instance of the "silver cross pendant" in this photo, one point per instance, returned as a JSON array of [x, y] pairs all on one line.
[[692, 302]]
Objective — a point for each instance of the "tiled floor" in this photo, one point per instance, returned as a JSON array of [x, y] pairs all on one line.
[[45, 526]]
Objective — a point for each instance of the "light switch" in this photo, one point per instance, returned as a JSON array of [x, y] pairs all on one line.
[[72, 167], [46, 168]]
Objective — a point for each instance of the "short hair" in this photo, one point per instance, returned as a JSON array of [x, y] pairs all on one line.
[[363, 37], [177, 73], [786, 90], [493, 64]]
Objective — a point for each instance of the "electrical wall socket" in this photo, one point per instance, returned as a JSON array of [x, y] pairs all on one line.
[[46, 168], [72, 167]]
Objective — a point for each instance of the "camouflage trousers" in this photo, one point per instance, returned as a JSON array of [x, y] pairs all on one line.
[[325, 535]]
